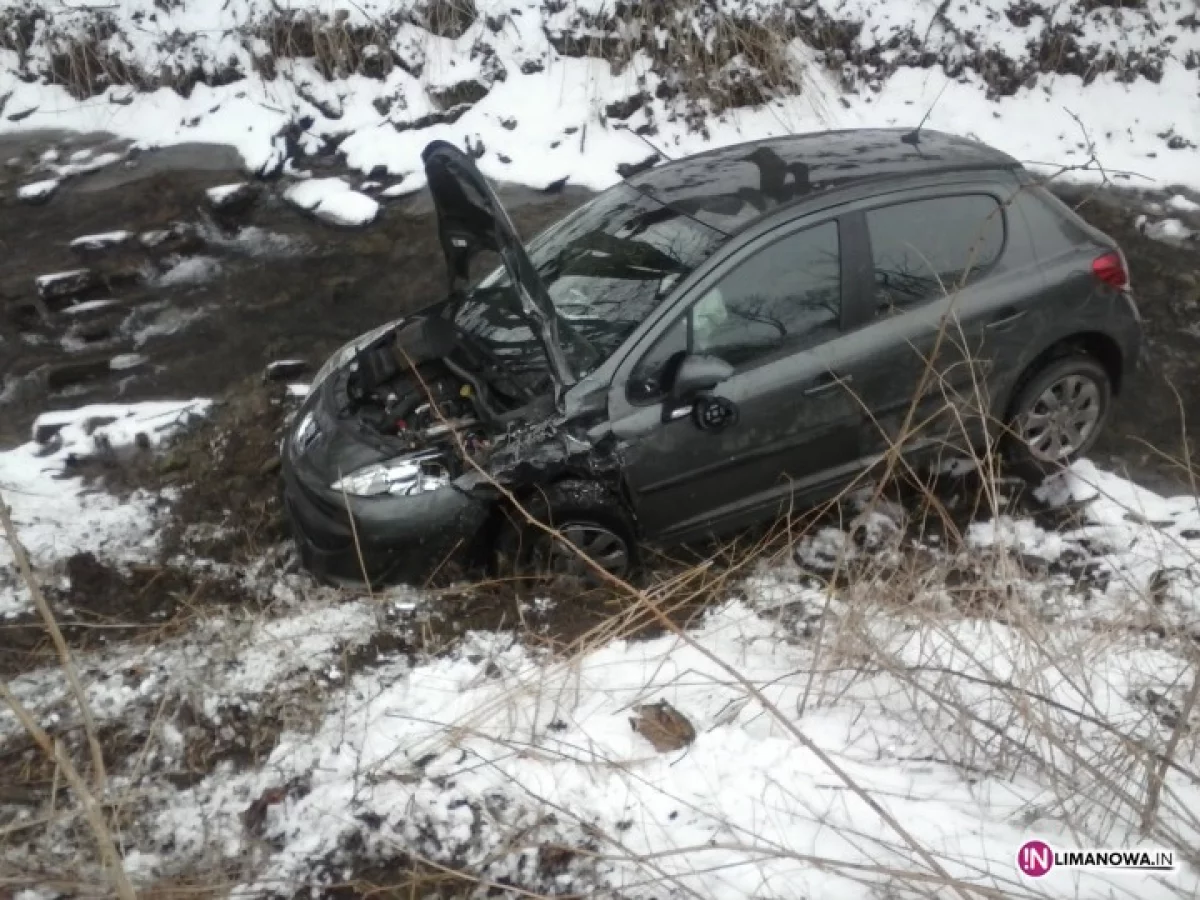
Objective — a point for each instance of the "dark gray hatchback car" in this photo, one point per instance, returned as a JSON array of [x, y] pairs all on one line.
[[704, 345]]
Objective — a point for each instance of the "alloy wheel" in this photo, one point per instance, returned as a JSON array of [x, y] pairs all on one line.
[[604, 546], [1063, 418]]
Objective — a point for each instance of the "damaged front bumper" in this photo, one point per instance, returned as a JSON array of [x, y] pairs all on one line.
[[378, 540]]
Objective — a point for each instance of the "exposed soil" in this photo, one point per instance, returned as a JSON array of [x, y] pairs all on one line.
[[99, 604], [1159, 405]]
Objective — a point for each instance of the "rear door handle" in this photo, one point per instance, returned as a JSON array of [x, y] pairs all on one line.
[[826, 383], [1006, 317]]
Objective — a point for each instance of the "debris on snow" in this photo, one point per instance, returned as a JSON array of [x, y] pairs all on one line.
[[663, 726]]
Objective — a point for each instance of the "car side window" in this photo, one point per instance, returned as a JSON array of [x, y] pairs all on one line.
[[786, 296], [649, 378], [927, 248]]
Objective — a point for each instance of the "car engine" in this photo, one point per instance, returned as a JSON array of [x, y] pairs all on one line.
[[419, 410]]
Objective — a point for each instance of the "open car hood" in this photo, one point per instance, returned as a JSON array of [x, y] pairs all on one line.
[[471, 219]]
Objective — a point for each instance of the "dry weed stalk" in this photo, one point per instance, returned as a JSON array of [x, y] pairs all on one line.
[[60, 644], [55, 750]]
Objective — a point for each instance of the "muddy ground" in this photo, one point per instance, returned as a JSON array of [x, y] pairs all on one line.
[[197, 300]]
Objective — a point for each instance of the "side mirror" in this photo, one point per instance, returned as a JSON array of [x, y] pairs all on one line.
[[697, 374]]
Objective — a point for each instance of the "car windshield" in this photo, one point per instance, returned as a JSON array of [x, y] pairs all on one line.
[[606, 266]]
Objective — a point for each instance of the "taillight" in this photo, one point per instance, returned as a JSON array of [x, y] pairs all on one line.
[[1110, 268]]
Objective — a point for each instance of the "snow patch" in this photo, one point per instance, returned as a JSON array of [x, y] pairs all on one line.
[[223, 194], [333, 201], [189, 271], [1182, 204], [55, 515], [38, 190], [100, 241]]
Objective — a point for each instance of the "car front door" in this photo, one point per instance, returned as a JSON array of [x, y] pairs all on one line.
[[780, 423]]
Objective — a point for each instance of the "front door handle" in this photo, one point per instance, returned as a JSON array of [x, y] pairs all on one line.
[[1006, 317], [827, 383]]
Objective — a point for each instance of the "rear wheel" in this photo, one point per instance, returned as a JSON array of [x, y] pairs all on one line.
[[585, 516], [1057, 416]]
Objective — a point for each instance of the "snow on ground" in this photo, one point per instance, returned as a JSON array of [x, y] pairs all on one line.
[[334, 201], [1171, 231], [38, 190], [55, 512], [1023, 685], [536, 114], [973, 727]]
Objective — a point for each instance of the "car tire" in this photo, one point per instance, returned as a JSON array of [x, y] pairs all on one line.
[[1056, 416], [591, 516]]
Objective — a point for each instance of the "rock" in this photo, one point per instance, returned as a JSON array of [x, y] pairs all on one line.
[[532, 66], [38, 192], [461, 93], [123, 361], [441, 117], [232, 198], [333, 201], [73, 283], [269, 465], [665, 727], [46, 432], [50, 446], [285, 369], [76, 372], [91, 423], [623, 109], [100, 241]]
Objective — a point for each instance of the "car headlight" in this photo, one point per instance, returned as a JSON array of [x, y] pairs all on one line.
[[342, 356], [405, 477]]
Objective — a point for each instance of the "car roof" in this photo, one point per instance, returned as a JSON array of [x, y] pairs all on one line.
[[731, 187]]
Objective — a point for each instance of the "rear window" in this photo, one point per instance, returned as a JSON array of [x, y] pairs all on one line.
[[924, 249]]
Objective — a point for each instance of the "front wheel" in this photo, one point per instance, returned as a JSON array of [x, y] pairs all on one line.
[[585, 515], [1057, 416]]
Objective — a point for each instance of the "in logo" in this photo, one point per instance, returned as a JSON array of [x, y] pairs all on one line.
[[1035, 858]]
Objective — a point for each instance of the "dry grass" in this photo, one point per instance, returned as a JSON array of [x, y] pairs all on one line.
[[339, 47], [707, 58]]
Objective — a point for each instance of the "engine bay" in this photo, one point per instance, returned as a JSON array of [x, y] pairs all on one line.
[[419, 409]]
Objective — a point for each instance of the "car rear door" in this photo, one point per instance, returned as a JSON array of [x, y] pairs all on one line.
[[951, 300], [774, 310]]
